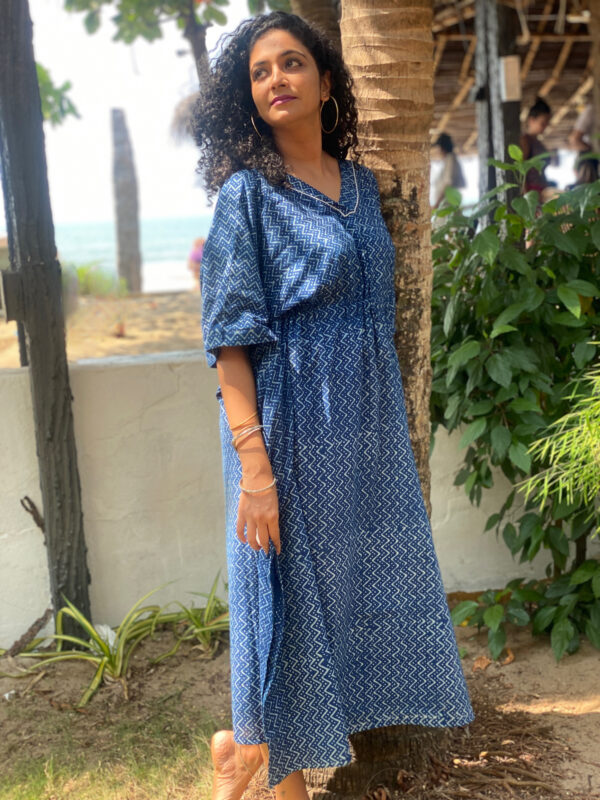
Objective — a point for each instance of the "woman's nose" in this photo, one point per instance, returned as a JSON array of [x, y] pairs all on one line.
[[277, 76]]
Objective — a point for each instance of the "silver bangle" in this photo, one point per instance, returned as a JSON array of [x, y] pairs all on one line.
[[245, 431], [254, 491]]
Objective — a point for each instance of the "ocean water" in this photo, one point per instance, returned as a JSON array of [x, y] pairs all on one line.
[[165, 245]]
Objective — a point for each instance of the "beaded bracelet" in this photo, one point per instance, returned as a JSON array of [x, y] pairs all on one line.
[[254, 491]]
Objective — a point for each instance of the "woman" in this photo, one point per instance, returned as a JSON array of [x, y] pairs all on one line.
[[451, 173], [536, 123], [195, 258], [339, 621]]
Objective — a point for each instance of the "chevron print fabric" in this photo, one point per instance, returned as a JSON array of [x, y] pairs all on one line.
[[348, 628]]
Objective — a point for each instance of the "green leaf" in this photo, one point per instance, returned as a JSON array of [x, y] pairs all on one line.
[[515, 260], [473, 432], [596, 584], [584, 288], [517, 615], [519, 456], [593, 634], [586, 571], [464, 353], [515, 152], [463, 611], [501, 440], [498, 369], [480, 407], [570, 299], [595, 232], [543, 618], [486, 244], [562, 633], [496, 642], [509, 534], [453, 403], [582, 353], [493, 520], [453, 196], [493, 616], [498, 330]]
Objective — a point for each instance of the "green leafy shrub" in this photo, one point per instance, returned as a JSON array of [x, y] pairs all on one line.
[[92, 279], [515, 310], [109, 650]]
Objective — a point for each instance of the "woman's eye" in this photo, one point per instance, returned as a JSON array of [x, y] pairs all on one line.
[[256, 74], [293, 61]]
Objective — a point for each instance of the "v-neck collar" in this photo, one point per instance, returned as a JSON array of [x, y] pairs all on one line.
[[308, 188]]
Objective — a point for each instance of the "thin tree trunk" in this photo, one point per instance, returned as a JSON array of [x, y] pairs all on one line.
[[388, 47], [195, 33], [129, 259], [323, 14], [36, 300]]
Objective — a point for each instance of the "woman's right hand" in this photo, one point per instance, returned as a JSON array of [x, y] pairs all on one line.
[[259, 514]]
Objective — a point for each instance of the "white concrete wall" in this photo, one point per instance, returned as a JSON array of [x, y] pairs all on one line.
[[150, 466]]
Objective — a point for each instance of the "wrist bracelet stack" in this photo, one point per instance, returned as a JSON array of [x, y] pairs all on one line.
[[240, 435]]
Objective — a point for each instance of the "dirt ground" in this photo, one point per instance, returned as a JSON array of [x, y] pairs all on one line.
[[105, 326], [535, 734]]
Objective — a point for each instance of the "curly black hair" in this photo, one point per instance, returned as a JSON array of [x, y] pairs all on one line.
[[221, 124]]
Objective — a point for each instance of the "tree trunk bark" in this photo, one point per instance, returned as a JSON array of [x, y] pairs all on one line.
[[195, 33], [129, 259], [323, 14], [594, 28], [388, 47], [36, 281]]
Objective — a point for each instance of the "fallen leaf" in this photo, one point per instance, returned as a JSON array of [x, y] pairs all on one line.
[[509, 658], [481, 662]]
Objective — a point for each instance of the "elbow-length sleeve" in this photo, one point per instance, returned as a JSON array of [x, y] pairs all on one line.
[[233, 305]]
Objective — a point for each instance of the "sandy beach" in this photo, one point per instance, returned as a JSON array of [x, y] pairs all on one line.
[[110, 326]]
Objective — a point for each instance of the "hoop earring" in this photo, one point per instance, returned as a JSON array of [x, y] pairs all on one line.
[[259, 134], [337, 114]]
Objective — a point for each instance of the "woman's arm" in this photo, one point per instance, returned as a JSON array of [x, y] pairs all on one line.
[[259, 513]]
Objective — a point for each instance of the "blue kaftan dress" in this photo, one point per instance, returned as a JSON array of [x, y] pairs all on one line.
[[348, 628]]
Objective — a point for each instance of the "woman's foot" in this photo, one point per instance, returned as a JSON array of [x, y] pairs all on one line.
[[234, 765]]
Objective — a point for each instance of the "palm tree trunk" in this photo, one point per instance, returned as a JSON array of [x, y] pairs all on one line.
[[129, 261], [388, 46], [323, 14], [594, 28]]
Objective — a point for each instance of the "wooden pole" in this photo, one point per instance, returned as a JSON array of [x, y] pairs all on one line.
[[496, 28], [31, 294]]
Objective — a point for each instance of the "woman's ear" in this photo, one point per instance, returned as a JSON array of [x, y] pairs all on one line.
[[326, 84]]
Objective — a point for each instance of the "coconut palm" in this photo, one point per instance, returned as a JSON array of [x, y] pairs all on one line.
[[389, 52]]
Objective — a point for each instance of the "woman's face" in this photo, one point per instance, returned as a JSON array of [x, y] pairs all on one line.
[[538, 124], [285, 81]]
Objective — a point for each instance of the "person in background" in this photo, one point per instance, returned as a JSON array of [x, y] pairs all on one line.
[[586, 171], [580, 136], [451, 173], [536, 123], [195, 258]]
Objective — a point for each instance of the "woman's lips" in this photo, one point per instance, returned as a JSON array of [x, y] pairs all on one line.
[[283, 99]]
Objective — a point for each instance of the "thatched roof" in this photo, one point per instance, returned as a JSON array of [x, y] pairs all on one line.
[[555, 49]]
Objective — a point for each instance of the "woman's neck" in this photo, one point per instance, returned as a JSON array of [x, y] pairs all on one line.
[[302, 149]]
